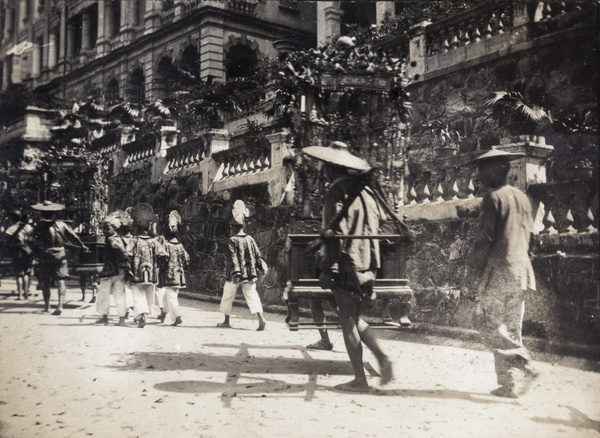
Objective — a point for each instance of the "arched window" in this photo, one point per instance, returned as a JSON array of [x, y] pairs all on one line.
[[112, 91], [240, 61], [190, 61], [135, 87]]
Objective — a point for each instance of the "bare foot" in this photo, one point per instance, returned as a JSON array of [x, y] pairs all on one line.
[[387, 372], [353, 386]]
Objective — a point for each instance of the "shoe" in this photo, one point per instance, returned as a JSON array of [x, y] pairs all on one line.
[[177, 321], [162, 316], [261, 326], [224, 325], [57, 312], [321, 345], [142, 321], [103, 320], [505, 391], [121, 322], [530, 376]]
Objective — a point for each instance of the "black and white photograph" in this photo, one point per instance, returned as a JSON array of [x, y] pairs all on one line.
[[330, 219]]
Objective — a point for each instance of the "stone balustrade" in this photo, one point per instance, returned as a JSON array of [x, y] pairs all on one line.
[[140, 151], [245, 6], [471, 27], [244, 162], [185, 155], [566, 216]]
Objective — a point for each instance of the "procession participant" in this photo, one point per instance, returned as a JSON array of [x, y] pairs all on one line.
[[160, 289], [125, 233], [146, 255], [19, 239], [173, 269], [500, 271], [349, 266], [243, 269], [50, 237], [114, 271]]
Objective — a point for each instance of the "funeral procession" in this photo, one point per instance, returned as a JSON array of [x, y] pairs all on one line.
[[261, 218]]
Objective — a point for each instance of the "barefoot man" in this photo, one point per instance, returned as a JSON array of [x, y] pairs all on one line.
[[349, 266]]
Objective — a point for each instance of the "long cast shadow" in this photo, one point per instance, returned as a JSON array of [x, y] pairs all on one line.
[[243, 365], [578, 420]]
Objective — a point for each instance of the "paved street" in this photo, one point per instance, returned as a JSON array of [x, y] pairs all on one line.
[[65, 376]]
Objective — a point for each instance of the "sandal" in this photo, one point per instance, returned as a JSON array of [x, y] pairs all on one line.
[[320, 345]]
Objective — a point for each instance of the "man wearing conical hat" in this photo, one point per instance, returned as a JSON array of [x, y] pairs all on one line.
[[51, 236], [500, 272], [349, 266]]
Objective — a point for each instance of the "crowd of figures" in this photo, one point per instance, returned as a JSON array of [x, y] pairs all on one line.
[[143, 269]]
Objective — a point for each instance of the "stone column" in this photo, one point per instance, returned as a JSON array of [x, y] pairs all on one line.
[[108, 20], [381, 8], [6, 71], [36, 67], [103, 44], [211, 52], [70, 40], [62, 50], [152, 15], [52, 50], [9, 24], [126, 28], [85, 31], [329, 18]]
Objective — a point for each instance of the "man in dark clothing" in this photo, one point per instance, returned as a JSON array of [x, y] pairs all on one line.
[[50, 237], [349, 266], [19, 241], [500, 271]]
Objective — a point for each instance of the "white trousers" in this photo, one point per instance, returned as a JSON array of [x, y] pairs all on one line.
[[143, 298], [114, 285], [160, 297], [250, 294], [171, 302]]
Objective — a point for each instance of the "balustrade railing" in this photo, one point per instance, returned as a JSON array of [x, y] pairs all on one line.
[[185, 155], [473, 26], [245, 6], [140, 150], [244, 162]]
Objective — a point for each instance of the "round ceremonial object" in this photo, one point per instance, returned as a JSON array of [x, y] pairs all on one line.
[[143, 215], [48, 206], [338, 154], [497, 155]]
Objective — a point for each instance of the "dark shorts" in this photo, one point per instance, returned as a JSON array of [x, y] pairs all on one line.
[[22, 263], [360, 283], [53, 264]]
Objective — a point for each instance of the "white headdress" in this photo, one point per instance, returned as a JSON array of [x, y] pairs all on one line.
[[174, 221], [239, 211]]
